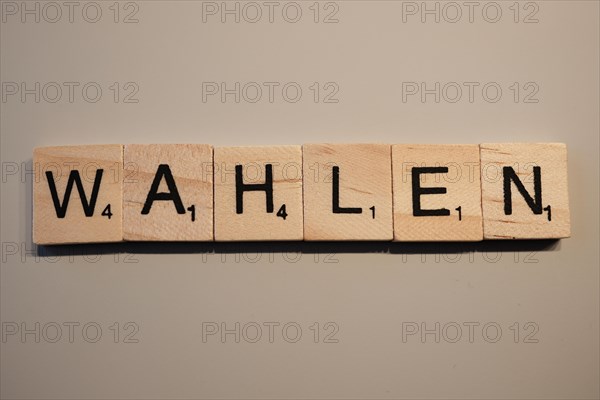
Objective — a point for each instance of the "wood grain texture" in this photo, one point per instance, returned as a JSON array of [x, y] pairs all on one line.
[[462, 185], [365, 181], [317, 192], [190, 166], [75, 226], [550, 161], [255, 223]]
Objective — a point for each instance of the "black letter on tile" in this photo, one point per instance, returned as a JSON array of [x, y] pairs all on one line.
[[241, 187], [536, 203], [336, 196], [88, 208], [418, 191], [171, 195]]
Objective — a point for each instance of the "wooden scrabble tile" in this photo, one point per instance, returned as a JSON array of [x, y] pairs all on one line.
[[525, 191], [168, 192], [258, 193], [347, 192], [437, 193], [77, 194]]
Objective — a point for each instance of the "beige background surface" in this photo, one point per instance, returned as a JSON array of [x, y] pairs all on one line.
[[371, 295]]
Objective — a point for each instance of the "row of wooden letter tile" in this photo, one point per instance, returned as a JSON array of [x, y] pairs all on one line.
[[192, 192]]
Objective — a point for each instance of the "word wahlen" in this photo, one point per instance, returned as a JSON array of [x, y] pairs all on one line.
[[315, 192]]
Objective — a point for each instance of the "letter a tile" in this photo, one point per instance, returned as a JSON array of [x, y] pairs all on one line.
[[168, 192], [525, 191], [347, 192], [77, 194], [258, 193], [437, 193]]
